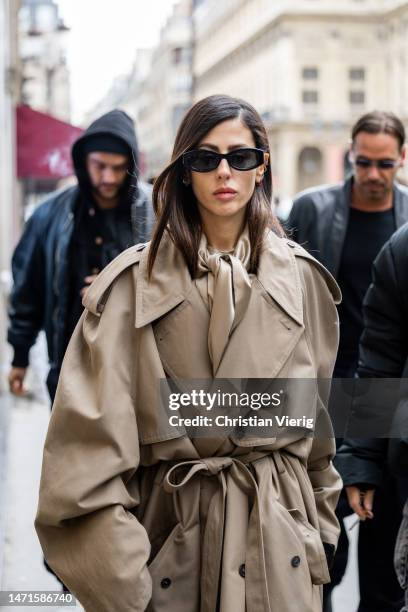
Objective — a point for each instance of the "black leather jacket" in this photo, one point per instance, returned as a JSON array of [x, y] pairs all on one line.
[[40, 264], [39, 299], [319, 217]]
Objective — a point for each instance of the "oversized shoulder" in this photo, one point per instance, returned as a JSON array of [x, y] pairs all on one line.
[[95, 298], [306, 259]]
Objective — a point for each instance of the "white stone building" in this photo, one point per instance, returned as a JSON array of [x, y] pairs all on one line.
[[163, 97], [43, 46], [311, 67], [158, 90]]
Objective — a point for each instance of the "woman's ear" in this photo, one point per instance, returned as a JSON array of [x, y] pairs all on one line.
[[260, 171]]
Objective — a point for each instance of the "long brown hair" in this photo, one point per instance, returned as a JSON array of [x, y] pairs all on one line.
[[175, 204]]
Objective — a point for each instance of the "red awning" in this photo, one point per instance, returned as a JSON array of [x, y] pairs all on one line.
[[43, 145]]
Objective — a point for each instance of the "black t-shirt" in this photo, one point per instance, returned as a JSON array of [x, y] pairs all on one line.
[[366, 234]]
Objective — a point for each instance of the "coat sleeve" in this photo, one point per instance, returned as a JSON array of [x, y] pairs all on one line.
[[360, 461], [88, 490], [383, 353], [26, 309], [321, 328]]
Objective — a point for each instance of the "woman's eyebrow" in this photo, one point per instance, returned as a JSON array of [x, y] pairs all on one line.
[[208, 145]]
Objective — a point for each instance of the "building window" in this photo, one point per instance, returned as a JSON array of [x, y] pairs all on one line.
[[310, 168], [310, 96], [177, 55], [310, 73], [357, 74], [357, 97]]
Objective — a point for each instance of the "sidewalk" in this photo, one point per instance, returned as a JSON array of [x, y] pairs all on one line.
[[23, 426]]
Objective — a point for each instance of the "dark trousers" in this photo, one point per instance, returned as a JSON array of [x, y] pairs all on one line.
[[379, 588]]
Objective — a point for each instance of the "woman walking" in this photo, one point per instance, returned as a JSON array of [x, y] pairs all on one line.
[[135, 514]]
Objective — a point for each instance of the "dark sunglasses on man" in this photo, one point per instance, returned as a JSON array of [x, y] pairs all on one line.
[[203, 160], [381, 164]]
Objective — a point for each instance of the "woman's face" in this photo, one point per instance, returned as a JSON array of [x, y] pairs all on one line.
[[225, 192]]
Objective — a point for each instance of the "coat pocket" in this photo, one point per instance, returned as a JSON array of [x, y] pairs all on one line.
[[175, 572], [311, 540]]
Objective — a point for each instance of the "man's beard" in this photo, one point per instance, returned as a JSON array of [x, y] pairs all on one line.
[[375, 190], [108, 194]]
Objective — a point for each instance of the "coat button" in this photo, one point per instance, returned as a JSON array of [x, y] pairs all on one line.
[[295, 562], [98, 240], [165, 583], [242, 570]]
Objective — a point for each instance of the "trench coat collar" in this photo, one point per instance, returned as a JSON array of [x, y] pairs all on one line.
[[171, 283], [279, 276]]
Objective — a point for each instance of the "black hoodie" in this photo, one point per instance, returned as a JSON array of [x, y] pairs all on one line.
[[115, 123], [100, 235]]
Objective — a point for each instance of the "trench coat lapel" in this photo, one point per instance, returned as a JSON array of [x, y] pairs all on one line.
[[278, 274], [278, 277], [167, 287], [171, 282]]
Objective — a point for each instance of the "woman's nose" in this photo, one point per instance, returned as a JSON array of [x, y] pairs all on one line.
[[223, 168]]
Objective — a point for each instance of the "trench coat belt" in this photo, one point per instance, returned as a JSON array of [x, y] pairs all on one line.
[[230, 471]]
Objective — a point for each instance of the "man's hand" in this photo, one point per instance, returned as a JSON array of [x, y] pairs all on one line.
[[88, 281], [16, 379], [361, 501]]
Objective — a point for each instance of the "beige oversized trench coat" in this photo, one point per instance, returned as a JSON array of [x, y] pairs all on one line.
[[133, 514]]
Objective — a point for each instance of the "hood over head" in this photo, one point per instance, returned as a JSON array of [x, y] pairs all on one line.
[[111, 127]]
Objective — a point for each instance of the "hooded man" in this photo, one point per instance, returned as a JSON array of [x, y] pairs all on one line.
[[71, 237]]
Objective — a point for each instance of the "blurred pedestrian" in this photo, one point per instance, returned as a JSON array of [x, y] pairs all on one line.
[[364, 462], [345, 226], [71, 237], [139, 514]]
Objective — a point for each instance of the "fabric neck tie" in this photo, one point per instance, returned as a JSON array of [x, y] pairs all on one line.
[[225, 287]]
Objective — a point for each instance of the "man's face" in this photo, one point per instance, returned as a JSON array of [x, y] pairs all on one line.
[[368, 153], [107, 173]]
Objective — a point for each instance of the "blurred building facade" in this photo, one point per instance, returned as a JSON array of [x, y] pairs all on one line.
[[311, 67], [166, 93], [125, 90], [43, 49], [9, 98], [127, 93], [158, 90]]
